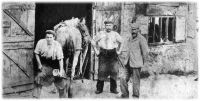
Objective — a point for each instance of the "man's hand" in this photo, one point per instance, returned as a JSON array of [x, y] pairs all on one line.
[[40, 67], [62, 73], [93, 42], [119, 52], [97, 52]]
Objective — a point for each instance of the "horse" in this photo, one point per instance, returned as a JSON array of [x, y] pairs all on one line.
[[69, 34]]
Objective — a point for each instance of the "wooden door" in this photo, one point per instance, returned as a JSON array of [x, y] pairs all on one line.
[[18, 44]]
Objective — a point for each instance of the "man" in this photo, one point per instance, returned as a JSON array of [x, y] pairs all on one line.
[[49, 56], [109, 45], [134, 60]]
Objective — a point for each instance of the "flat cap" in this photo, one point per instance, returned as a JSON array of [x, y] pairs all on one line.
[[51, 32], [108, 22]]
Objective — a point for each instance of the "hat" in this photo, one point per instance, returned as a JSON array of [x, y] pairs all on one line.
[[50, 32], [108, 22], [135, 26]]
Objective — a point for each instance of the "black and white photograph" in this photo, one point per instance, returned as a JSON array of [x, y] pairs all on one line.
[[99, 49]]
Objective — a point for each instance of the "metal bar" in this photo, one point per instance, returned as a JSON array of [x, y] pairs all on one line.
[[120, 62], [84, 69], [160, 28], [166, 29], [173, 29], [84, 57], [20, 23], [153, 29], [20, 67]]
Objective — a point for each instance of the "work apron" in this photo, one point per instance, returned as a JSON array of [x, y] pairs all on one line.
[[107, 64]]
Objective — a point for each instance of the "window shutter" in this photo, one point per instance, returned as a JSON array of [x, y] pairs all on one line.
[[180, 29]]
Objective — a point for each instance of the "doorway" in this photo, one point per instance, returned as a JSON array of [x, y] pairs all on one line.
[[47, 15]]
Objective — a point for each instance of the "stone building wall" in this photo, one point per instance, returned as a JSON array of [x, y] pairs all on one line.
[[167, 58]]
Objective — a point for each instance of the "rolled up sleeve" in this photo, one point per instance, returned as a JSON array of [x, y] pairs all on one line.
[[38, 47]]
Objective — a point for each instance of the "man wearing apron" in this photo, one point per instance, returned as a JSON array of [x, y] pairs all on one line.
[[109, 45], [49, 56]]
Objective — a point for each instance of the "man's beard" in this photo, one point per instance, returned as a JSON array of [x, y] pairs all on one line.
[[108, 30], [134, 35]]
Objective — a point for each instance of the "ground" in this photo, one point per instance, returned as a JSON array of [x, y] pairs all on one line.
[[158, 86]]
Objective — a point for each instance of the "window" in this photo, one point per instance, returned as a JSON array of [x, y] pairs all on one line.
[[161, 29]]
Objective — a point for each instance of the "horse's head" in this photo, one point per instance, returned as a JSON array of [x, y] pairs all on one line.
[[82, 25], [64, 28]]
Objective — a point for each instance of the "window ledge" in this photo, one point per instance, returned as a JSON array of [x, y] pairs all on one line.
[[165, 43], [161, 43]]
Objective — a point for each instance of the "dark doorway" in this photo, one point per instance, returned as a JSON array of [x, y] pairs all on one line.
[[47, 15], [50, 14]]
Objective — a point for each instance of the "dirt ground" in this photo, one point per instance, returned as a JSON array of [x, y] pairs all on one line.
[[163, 86]]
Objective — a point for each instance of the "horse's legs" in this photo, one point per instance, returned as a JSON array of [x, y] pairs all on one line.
[[81, 63], [66, 65], [75, 61]]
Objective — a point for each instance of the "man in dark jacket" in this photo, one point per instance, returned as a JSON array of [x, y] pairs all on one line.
[[134, 59]]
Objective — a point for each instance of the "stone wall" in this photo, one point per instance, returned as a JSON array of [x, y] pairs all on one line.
[[165, 58], [180, 57]]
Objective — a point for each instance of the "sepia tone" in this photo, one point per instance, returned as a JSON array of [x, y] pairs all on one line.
[[171, 31]]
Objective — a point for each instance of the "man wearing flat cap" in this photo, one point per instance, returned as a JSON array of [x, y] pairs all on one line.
[[134, 59], [49, 56], [109, 45]]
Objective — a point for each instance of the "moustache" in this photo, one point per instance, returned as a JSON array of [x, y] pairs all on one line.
[[133, 33]]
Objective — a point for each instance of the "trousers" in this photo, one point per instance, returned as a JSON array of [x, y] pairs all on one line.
[[100, 85], [134, 74]]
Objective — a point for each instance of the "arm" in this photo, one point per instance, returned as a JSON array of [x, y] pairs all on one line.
[[120, 42], [61, 64], [38, 61], [144, 48], [59, 57], [62, 72], [94, 43], [37, 51]]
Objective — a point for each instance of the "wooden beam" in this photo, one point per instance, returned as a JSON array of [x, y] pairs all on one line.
[[18, 89], [18, 45], [20, 67], [21, 83], [20, 23], [23, 38]]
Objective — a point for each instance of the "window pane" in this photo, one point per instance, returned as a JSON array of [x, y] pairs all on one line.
[[170, 29], [161, 29], [151, 30], [164, 29], [157, 30]]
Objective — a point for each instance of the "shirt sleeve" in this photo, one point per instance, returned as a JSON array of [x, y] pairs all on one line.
[[59, 52], [38, 47]]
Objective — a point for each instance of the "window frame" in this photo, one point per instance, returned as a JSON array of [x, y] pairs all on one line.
[[173, 28]]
